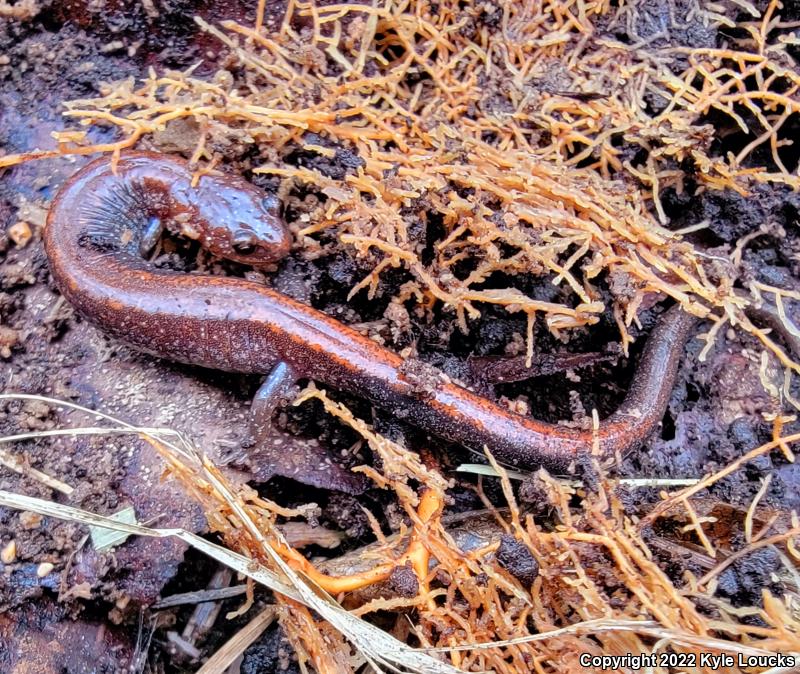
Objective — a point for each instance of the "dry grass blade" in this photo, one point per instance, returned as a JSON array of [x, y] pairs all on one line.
[[644, 627], [643, 482], [233, 560]]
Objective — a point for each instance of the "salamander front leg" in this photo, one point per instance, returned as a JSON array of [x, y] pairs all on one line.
[[150, 234], [274, 391]]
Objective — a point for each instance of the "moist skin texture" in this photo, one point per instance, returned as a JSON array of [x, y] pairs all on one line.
[[104, 220]]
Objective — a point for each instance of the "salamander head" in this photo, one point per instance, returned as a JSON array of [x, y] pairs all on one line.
[[123, 210], [241, 223]]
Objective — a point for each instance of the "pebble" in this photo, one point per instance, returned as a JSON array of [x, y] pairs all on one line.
[[9, 338], [9, 553], [44, 569], [20, 233]]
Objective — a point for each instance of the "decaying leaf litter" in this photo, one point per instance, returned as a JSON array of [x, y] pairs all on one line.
[[539, 145]]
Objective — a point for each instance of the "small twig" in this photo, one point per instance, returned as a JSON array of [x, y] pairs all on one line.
[[666, 505], [764, 542], [199, 596], [18, 466], [239, 642]]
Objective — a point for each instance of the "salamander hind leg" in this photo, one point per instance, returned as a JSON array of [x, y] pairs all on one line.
[[273, 391], [272, 453]]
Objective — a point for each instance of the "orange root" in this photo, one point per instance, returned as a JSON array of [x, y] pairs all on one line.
[[416, 554]]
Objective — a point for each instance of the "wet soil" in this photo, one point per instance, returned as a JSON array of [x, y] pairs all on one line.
[[101, 599]]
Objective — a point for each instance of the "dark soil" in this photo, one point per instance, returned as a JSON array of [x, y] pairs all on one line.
[[101, 600]]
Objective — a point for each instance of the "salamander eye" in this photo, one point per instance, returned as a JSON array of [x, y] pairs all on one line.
[[244, 247], [244, 244]]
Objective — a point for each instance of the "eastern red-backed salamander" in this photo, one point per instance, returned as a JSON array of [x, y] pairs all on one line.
[[103, 222]]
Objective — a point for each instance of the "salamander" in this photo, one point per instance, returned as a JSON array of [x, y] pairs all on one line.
[[106, 219]]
